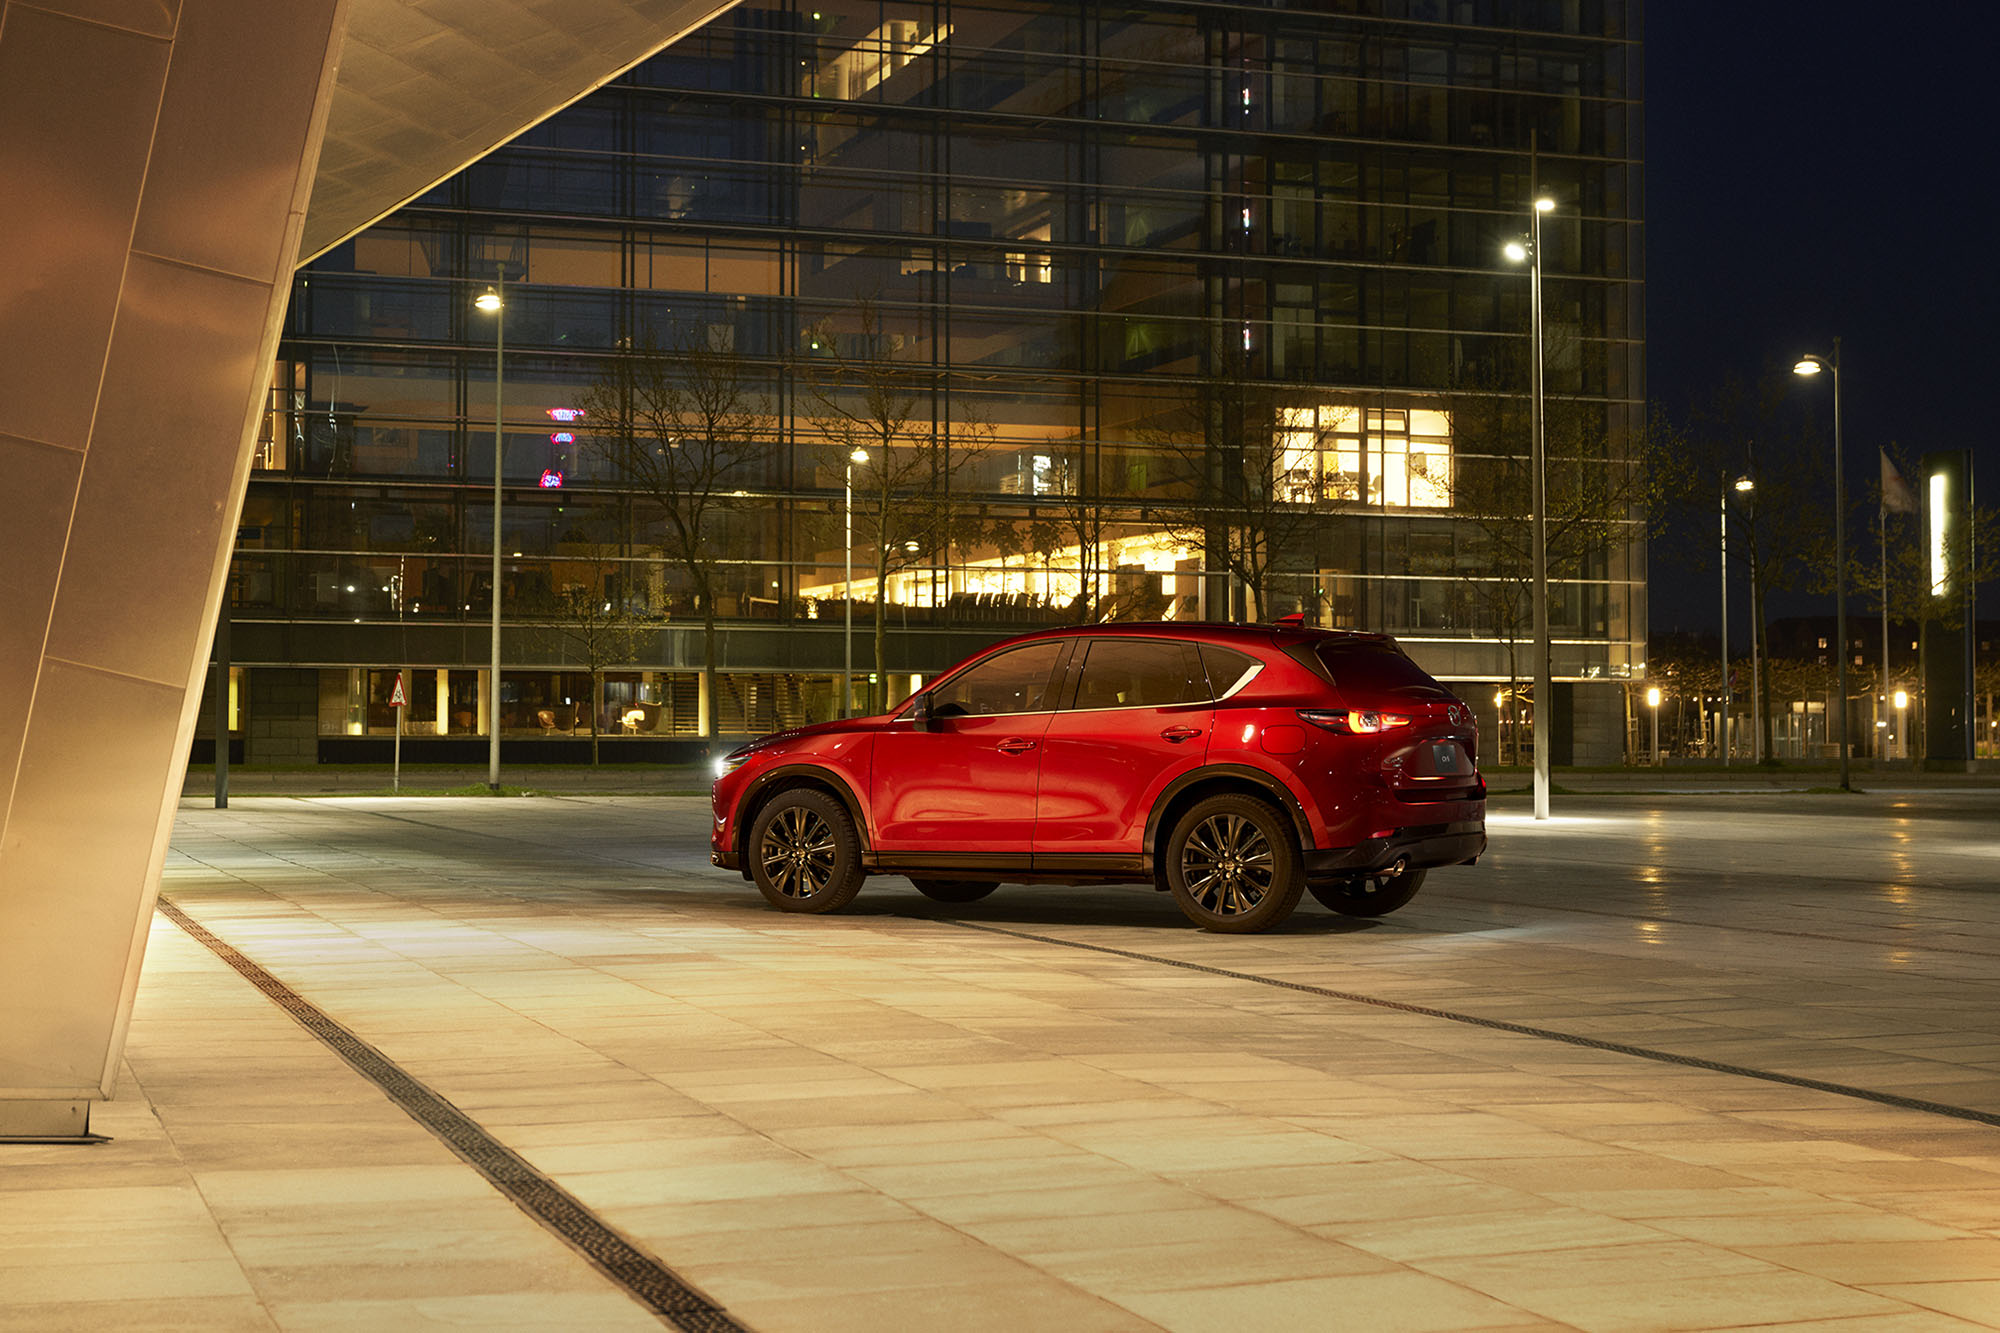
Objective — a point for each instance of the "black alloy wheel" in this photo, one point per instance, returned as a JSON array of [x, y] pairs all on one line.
[[955, 890], [1369, 895], [804, 853], [1233, 865]]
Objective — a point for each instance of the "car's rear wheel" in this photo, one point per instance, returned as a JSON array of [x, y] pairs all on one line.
[[955, 890], [1369, 895], [804, 853], [1233, 865]]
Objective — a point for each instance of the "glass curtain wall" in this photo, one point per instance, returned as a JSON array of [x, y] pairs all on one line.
[[1174, 310]]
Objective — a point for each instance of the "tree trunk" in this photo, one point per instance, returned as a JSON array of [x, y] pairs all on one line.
[[1761, 641], [881, 672], [708, 683], [596, 709]]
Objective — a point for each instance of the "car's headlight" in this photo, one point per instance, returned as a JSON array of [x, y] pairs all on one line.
[[729, 763]]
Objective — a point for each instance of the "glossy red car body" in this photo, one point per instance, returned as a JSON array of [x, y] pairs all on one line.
[[1135, 724]]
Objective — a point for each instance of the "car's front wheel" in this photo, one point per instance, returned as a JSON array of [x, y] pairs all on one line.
[[1233, 865], [804, 853], [955, 890], [1369, 895]]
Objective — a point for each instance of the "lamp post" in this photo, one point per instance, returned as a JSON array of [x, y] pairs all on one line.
[[1902, 737], [1744, 486], [1880, 703], [1539, 586], [490, 302], [1722, 708], [847, 593], [1653, 702], [1813, 365]]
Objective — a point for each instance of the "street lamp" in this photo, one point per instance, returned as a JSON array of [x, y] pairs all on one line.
[[847, 591], [1813, 365], [1744, 486], [1722, 710], [489, 301], [1902, 734], [1531, 252], [1653, 702]]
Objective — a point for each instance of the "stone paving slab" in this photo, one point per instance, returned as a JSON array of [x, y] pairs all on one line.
[[1055, 1108]]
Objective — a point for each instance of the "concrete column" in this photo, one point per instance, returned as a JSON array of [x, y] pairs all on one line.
[[158, 157]]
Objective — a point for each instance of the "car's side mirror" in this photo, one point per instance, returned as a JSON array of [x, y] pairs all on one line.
[[920, 713]]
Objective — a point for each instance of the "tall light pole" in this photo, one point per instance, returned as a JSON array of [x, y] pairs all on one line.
[[1722, 713], [490, 302], [1539, 588], [1756, 663], [847, 594], [1744, 486], [1813, 365]]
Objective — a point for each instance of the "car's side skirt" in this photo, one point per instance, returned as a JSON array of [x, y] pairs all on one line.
[[1014, 867]]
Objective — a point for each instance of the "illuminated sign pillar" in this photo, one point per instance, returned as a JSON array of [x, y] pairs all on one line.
[[1948, 620]]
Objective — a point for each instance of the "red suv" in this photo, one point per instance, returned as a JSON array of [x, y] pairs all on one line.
[[1236, 766]]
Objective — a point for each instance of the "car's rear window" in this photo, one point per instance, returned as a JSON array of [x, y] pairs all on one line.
[[1371, 666]]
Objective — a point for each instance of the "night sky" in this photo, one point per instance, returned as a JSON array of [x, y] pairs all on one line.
[[1818, 171]]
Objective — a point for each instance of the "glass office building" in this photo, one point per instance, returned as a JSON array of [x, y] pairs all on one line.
[[1168, 310]]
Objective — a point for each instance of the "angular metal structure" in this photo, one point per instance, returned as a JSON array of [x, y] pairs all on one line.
[[428, 86], [160, 156]]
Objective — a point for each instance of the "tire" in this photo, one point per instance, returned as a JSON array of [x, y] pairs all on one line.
[[804, 854], [1370, 895], [1233, 865], [954, 890]]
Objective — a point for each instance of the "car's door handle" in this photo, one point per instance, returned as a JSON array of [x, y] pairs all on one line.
[[1015, 745], [1179, 734]]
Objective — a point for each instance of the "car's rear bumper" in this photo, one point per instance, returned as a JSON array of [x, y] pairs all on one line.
[[1417, 847]]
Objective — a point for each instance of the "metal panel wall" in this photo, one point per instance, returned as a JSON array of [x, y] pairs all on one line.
[[159, 156]]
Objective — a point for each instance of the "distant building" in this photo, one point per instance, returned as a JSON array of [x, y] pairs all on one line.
[[1200, 309]]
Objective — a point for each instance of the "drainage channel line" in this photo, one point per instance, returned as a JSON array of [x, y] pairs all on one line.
[[649, 1281], [1519, 1029]]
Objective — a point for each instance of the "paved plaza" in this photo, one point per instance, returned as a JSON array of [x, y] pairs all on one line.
[[1665, 1062]]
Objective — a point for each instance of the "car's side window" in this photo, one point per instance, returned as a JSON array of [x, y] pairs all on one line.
[[1017, 681], [1140, 673], [1228, 670]]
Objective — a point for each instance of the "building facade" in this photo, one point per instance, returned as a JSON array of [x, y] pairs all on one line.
[[1175, 310]]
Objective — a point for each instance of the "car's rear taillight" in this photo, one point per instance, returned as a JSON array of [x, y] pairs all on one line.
[[1353, 721]]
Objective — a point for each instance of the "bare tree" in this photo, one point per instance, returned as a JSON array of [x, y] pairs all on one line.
[[685, 425], [1740, 447], [1070, 521], [910, 506], [593, 618], [1233, 489], [1601, 491]]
